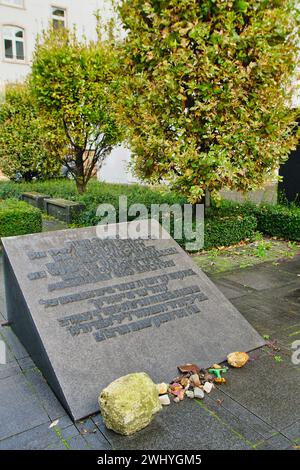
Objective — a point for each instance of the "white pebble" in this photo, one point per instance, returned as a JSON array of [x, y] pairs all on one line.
[[164, 399], [208, 386], [198, 393]]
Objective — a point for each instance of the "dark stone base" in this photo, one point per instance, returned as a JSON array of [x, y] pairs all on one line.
[[34, 199], [62, 209]]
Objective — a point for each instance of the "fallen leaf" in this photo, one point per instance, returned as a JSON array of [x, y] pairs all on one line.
[[54, 423]]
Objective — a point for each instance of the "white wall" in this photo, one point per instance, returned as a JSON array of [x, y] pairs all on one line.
[[115, 167], [35, 16]]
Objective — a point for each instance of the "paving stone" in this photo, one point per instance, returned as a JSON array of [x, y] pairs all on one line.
[[20, 409], [79, 443], [57, 445], [13, 343], [156, 436], [242, 413], [46, 396], [188, 425], [92, 435], [37, 438], [294, 296], [26, 363], [292, 432], [9, 369], [268, 389], [287, 335], [230, 289], [261, 277], [65, 422], [221, 429], [277, 442], [291, 265], [268, 315]]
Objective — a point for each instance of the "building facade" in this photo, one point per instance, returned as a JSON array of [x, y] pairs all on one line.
[[21, 21]]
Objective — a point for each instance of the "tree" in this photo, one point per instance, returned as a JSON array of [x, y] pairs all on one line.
[[73, 83], [26, 146], [207, 90]]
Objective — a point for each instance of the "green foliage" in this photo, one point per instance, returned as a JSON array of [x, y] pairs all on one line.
[[73, 83], [206, 90], [19, 218], [226, 231], [279, 221], [274, 220], [220, 229], [96, 193], [25, 144]]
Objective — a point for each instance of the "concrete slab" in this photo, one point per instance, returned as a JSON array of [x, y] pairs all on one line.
[[268, 389], [20, 409], [261, 277]]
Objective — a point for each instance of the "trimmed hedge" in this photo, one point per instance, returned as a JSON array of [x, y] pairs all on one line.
[[225, 225], [225, 231], [19, 218], [282, 221], [279, 221]]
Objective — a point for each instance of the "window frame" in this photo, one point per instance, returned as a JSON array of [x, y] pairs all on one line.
[[6, 3], [54, 17], [14, 59]]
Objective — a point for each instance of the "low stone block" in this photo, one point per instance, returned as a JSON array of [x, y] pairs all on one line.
[[63, 209], [34, 199], [129, 403]]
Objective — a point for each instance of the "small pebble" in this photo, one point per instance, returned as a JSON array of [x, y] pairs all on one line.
[[164, 400], [237, 359], [190, 393], [198, 393], [207, 387], [162, 388], [195, 380]]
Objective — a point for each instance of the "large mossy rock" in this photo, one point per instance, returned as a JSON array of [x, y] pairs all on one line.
[[129, 403]]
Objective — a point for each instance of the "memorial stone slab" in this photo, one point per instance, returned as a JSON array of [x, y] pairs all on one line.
[[34, 199], [63, 209], [90, 310]]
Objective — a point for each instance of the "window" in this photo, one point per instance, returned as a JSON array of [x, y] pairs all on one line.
[[58, 17], [15, 3], [13, 43]]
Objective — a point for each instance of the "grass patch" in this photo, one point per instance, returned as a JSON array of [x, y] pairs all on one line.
[[245, 255]]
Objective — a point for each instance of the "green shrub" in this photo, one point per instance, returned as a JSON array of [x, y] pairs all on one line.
[[279, 221], [97, 193], [228, 230], [282, 221], [229, 224], [18, 218]]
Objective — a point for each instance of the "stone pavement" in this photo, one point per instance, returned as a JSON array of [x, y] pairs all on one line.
[[257, 409]]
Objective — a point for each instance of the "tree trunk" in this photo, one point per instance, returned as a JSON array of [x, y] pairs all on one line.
[[81, 186], [207, 201], [80, 174]]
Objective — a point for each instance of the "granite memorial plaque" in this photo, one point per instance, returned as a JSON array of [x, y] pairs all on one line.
[[90, 310]]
